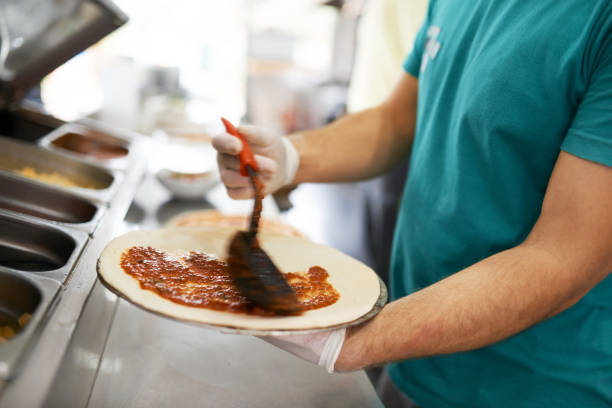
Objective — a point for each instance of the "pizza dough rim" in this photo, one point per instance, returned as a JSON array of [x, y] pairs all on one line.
[[361, 291], [213, 217]]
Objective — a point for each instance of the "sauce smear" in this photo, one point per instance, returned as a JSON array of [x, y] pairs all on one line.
[[200, 280]]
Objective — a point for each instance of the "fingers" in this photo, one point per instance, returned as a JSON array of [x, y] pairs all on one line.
[[239, 187], [242, 193], [233, 179], [256, 136], [226, 143], [267, 167], [226, 161], [228, 147]]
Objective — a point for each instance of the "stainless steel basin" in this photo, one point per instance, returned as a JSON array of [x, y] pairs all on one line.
[[32, 246], [38, 200], [21, 294], [95, 142], [90, 143], [17, 296], [91, 181]]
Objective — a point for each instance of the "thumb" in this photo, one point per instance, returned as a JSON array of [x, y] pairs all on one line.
[[256, 136]]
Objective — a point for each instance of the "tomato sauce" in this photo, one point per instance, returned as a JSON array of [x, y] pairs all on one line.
[[201, 280]]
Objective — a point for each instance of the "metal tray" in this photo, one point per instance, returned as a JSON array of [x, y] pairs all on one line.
[[27, 123], [20, 294], [137, 144], [15, 155], [33, 246], [19, 195], [66, 138]]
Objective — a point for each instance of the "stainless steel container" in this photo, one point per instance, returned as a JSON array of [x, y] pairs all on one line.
[[45, 248], [92, 182], [22, 196], [22, 293], [36, 247], [74, 139]]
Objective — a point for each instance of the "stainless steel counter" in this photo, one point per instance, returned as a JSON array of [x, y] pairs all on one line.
[[35, 381], [155, 362], [122, 356]]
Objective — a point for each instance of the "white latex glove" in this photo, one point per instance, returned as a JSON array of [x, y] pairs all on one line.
[[319, 348], [276, 158]]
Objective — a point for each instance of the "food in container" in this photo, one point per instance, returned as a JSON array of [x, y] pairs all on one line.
[[33, 199], [50, 167], [8, 331], [91, 143], [49, 178]]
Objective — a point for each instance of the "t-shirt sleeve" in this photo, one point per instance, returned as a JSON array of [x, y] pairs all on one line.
[[590, 135], [412, 63]]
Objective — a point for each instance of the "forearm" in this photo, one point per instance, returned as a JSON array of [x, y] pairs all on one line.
[[566, 254], [355, 147], [361, 145], [487, 302]]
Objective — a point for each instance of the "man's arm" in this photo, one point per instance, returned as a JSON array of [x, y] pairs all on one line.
[[361, 145], [566, 254]]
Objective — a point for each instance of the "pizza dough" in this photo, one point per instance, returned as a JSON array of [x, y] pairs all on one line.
[[214, 217], [358, 285]]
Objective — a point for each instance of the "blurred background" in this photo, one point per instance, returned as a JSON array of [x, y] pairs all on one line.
[[178, 65]]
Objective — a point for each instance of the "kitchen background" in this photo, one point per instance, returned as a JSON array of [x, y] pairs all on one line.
[[178, 65]]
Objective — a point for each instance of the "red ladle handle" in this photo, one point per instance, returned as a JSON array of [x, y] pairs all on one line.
[[246, 155]]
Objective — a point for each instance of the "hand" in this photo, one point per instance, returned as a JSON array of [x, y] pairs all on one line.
[[276, 158], [321, 348]]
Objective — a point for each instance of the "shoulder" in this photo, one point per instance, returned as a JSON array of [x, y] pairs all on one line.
[[598, 50]]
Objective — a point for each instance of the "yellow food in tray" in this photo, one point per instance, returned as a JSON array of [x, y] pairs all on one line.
[[7, 332], [51, 178]]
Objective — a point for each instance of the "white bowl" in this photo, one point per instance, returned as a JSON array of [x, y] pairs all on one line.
[[188, 185]]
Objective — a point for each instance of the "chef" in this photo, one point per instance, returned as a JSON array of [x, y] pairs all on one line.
[[503, 246]]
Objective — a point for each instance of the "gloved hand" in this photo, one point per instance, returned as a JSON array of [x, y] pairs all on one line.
[[319, 348], [276, 158]]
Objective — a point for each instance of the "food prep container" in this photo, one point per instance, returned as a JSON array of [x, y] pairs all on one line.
[[44, 227], [22, 196], [19, 294], [36, 247], [93, 182], [93, 143]]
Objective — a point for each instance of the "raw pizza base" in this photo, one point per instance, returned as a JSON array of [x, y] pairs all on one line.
[[358, 285], [216, 218]]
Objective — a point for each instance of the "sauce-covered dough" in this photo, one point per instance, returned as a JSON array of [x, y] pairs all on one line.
[[200, 280]]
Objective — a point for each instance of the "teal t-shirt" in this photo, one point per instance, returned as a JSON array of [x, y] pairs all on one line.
[[504, 85]]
